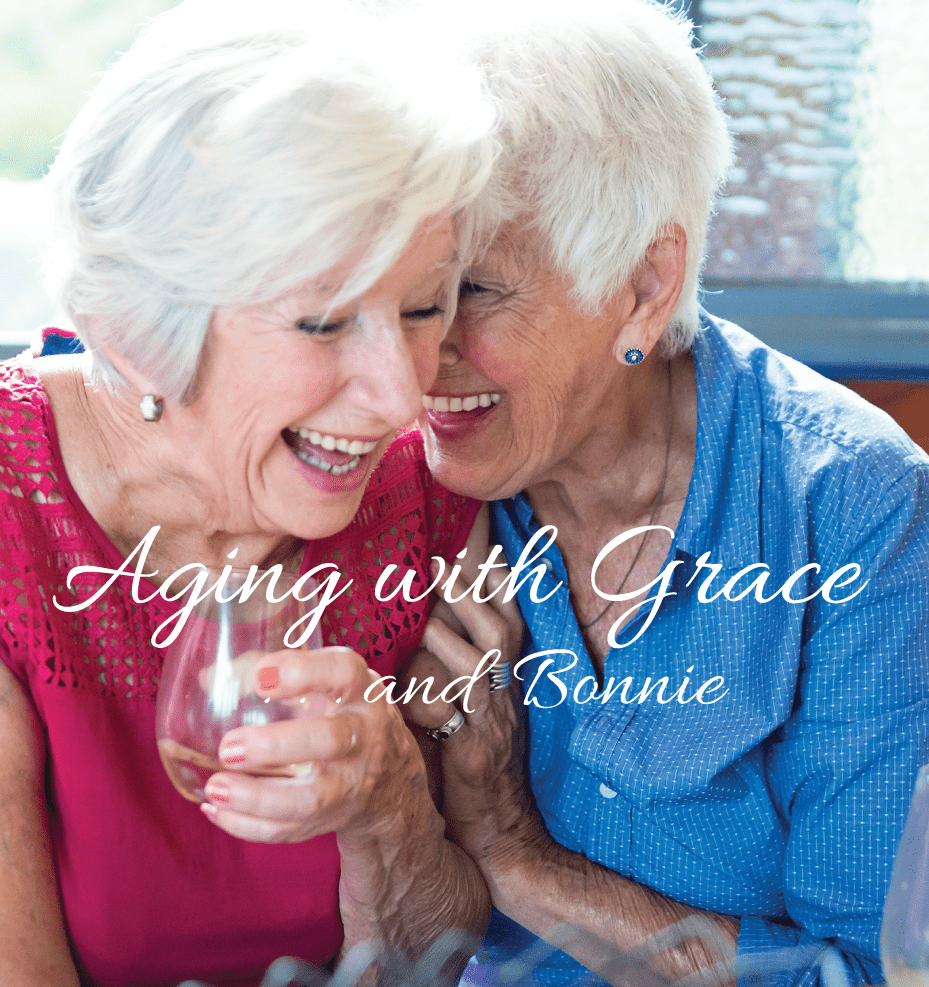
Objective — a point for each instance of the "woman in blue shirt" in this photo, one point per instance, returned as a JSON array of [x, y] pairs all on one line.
[[740, 749]]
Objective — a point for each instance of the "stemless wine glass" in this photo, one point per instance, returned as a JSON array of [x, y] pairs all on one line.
[[905, 929], [206, 687]]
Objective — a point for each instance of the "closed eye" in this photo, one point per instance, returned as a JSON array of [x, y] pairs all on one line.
[[322, 328], [312, 328], [424, 314], [471, 288]]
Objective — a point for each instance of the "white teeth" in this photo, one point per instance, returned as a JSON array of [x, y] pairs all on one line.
[[354, 447], [309, 458], [438, 402]]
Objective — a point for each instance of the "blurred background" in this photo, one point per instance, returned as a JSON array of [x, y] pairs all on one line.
[[51, 52], [820, 245]]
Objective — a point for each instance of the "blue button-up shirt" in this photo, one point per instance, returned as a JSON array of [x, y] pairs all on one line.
[[782, 801]]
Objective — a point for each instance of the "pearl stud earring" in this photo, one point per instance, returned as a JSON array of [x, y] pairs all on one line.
[[152, 406]]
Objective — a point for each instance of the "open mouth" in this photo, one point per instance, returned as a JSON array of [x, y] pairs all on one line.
[[470, 402], [330, 453], [453, 418]]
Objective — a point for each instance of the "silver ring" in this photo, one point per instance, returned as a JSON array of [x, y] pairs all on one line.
[[500, 676], [455, 723]]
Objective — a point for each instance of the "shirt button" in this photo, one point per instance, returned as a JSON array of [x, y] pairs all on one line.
[[607, 792], [548, 564]]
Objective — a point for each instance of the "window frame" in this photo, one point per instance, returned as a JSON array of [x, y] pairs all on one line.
[[845, 330]]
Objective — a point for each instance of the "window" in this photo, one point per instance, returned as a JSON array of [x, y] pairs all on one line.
[[819, 246], [50, 53]]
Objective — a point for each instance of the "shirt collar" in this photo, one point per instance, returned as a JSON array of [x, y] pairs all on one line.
[[723, 507]]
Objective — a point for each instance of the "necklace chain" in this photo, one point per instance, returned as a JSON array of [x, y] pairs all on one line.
[[659, 496]]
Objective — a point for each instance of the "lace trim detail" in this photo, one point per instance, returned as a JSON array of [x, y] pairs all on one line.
[[405, 518], [387, 531]]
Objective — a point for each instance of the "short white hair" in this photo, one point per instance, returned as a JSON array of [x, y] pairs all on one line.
[[240, 148], [611, 133]]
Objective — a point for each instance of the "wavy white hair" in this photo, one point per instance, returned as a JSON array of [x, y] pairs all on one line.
[[240, 148], [611, 132]]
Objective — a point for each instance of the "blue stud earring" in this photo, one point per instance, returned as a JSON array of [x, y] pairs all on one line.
[[633, 356]]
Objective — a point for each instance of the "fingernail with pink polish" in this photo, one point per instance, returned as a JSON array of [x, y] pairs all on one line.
[[232, 753], [208, 810], [268, 678], [216, 791]]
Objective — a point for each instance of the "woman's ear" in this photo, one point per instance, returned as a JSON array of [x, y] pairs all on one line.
[[656, 285], [138, 381]]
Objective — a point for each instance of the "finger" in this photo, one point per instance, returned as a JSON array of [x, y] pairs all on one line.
[[277, 819], [237, 672], [476, 548], [485, 617], [289, 744], [423, 666], [478, 551], [265, 809], [421, 689], [245, 827], [469, 668], [497, 579], [443, 611], [459, 657], [485, 628], [497, 588], [337, 674]]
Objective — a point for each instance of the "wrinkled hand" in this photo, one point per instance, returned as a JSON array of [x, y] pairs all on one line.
[[485, 801], [345, 765]]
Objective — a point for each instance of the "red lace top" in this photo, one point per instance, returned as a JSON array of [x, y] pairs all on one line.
[[153, 893]]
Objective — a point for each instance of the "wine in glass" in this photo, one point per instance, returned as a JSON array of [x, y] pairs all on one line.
[[207, 687]]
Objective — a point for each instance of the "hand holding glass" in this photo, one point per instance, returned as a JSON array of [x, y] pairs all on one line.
[[207, 678]]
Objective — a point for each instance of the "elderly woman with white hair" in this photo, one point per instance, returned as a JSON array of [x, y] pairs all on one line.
[[722, 556], [258, 236]]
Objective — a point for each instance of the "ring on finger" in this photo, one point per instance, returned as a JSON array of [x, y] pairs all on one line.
[[453, 725], [500, 676]]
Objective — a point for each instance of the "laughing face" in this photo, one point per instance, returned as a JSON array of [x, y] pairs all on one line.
[[297, 403], [525, 381]]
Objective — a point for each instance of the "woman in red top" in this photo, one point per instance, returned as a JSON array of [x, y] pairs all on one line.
[[257, 239]]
